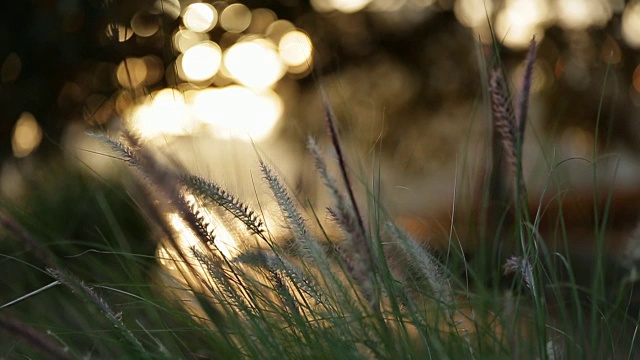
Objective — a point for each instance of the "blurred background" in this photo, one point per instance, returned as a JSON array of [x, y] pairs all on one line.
[[205, 79]]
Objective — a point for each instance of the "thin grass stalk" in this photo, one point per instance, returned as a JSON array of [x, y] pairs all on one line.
[[335, 140], [597, 285], [357, 265], [80, 287]]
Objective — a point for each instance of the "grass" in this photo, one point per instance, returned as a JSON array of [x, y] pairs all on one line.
[[371, 292]]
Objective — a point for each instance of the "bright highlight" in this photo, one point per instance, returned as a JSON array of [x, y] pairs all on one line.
[[237, 112], [27, 135], [295, 48], [255, 64], [201, 62], [200, 17], [164, 113]]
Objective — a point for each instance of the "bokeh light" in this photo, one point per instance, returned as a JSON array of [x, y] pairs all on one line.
[[472, 13], [27, 135], [260, 20], [145, 24], [119, 32], [345, 6], [131, 72], [237, 112], [154, 68], [278, 29], [295, 48], [580, 14], [201, 62], [185, 39], [164, 112], [235, 18], [255, 64], [520, 20], [200, 17], [631, 24]]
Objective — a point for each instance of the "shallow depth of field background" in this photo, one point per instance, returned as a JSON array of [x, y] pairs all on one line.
[[403, 72]]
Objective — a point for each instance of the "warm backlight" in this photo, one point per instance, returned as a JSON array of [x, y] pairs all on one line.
[[238, 112], [255, 64], [27, 135], [295, 48], [201, 62], [163, 113], [200, 17]]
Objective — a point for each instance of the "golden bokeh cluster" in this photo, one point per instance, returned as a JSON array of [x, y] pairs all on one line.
[[228, 61]]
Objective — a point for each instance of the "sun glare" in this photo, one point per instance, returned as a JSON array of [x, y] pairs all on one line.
[[164, 113], [255, 64], [201, 62], [237, 112]]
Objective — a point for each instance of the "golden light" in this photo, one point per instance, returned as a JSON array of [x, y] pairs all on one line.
[[164, 113], [391, 5], [237, 112], [223, 239], [200, 17], [278, 29], [201, 62], [27, 135], [520, 20], [295, 48], [255, 64], [631, 24], [580, 14], [145, 24], [349, 6], [185, 39], [472, 13], [131, 72], [154, 68], [260, 20], [120, 33], [167, 257], [235, 18], [345, 6], [322, 5]]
